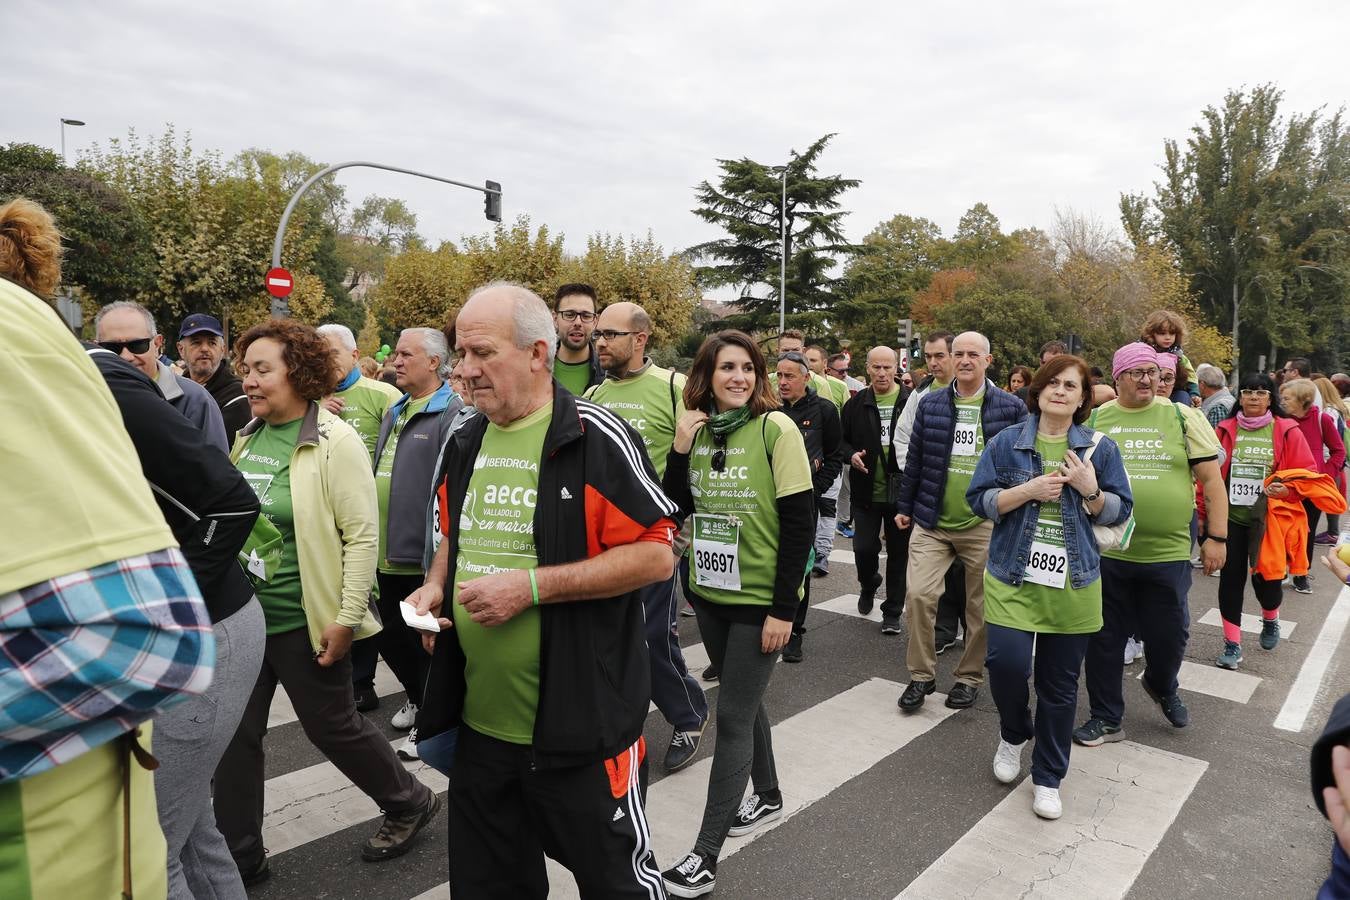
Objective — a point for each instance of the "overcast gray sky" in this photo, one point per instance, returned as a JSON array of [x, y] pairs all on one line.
[[603, 116]]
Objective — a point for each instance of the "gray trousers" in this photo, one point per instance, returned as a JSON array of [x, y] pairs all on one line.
[[189, 740], [744, 749], [825, 525]]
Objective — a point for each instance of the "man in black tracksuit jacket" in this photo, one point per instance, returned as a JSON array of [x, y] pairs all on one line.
[[600, 529], [864, 432], [818, 422]]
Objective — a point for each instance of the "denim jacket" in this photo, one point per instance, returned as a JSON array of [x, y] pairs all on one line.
[[1011, 459]]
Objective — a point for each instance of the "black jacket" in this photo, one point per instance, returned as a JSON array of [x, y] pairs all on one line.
[[1336, 734], [228, 392], [594, 687], [818, 421], [205, 499], [860, 423]]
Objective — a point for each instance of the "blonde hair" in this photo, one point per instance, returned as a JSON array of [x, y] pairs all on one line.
[[30, 247], [1302, 390], [1331, 398]]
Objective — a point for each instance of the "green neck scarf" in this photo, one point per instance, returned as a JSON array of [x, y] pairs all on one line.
[[724, 423]]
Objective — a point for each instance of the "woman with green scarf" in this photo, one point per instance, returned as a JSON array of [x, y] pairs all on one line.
[[740, 468]]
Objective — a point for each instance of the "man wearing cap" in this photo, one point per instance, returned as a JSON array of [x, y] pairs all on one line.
[[128, 329], [1167, 448], [201, 347]]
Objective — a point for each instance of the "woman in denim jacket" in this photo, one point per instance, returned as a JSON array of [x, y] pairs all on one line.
[[1042, 582]]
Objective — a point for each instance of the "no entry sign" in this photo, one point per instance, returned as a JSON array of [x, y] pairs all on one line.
[[279, 282]]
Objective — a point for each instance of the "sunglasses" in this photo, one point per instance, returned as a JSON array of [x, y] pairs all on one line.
[[719, 457], [137, 346]]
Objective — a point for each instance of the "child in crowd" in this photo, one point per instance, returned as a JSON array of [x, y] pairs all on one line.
[[1165, 331]]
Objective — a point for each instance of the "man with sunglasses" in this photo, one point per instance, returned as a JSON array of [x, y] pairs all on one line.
[[128, 329], [1168, 448], [576, 365], [651, 399]]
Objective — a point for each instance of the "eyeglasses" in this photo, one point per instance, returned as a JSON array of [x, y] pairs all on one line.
[[1167, 378], [571, 315], [137, 346], [1142, 374], [719, 457], [609, 334], [1258, 393]]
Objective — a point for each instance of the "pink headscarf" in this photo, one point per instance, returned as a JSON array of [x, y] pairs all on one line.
[[1167, 361], [1131, 356]]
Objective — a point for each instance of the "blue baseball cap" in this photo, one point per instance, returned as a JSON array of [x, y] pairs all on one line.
[[198, 323]]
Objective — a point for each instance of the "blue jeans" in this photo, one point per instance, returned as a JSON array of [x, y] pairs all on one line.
[[1058, 660], [1148, 600]]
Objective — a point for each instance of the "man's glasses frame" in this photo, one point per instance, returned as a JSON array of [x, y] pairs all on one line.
[[609, 334], [135, 345], [571, 315]]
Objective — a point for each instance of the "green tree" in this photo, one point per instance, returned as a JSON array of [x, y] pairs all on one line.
[[895, 261], [746, 204]]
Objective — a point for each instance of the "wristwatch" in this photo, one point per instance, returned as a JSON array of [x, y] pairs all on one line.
[[1093, 496]]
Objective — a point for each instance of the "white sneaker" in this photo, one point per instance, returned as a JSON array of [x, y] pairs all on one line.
[[405, 717], [1133, 650], [1045, 802], [408, 749], [1008, 761]]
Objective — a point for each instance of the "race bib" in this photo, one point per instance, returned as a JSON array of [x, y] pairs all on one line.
[[716, 547], [1245, 483], [964, 440], [1048, 563]]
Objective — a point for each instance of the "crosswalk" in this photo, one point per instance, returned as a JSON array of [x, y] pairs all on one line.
[[1120, 800]]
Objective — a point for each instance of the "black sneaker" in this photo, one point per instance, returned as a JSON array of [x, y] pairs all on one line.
[[868, 595], [398, 830], [1301, 584], [962, 696], [1172, 707], [890, 624], [1095, 732], [712, 673], [819, 571], [914, 695], [367, 700], [792, 653], [683, 747], [692, 876], [754, 812], [256, 874], [943, 644]]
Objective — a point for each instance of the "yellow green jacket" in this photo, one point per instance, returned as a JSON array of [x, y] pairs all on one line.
[[336, 521]]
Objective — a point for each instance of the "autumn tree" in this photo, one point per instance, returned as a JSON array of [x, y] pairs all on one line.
[[895, 261]]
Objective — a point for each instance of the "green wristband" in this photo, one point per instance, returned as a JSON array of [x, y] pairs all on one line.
[[534, 588]]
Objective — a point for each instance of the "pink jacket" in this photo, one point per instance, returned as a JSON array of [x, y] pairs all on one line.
[[1319, 430]]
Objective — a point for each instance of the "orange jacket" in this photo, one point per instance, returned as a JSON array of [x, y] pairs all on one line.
[[1284, 546]]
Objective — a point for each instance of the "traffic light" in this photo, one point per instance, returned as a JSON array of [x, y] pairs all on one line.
[[906, 331], [492, 202]]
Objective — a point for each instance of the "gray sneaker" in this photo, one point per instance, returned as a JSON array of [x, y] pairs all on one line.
[[398, 830], [1095, 732]]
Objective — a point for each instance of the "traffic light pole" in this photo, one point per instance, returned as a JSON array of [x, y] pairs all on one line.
[[492, 208]]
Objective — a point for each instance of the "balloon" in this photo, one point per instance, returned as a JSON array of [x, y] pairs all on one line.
[[384, 348], [1344, 553]]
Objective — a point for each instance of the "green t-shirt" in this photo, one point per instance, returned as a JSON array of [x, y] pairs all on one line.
[[365, 404], [573, 376], [1253, 461], [886, 409], [266, 466], [967, 445], [496, 534], [838, 391], [1157, 452], [652, 402], [735, 531], [384, 473], [1049, 604]]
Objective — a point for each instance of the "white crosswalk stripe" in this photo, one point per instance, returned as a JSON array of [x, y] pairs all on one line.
[[1251, 623]]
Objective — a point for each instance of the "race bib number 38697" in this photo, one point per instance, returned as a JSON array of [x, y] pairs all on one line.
[[716, 548]]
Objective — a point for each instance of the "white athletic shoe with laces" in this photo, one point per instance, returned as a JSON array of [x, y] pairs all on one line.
[[1008, 761], [1045, 802], [405, 717], [408, 749]]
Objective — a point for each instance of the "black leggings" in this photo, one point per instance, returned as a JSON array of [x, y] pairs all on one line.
[[1233, 578]]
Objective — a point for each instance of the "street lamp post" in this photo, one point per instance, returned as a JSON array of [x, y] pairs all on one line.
[[64, 122], [492, 208], [782, 261]]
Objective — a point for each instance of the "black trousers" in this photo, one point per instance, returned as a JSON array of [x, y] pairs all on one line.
[[870, 522], [505, 814], [400, 645], [951, 610]]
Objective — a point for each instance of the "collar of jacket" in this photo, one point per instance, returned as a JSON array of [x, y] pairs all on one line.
[[440, 399], [632, 373], [168, 383], [1079, 437], [222, 377], [309, 428]]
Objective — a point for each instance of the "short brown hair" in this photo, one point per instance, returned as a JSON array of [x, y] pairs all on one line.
[[30, 247], [1163, 321], [310, 363], [1052, 369], [795, 334], [698, 389]]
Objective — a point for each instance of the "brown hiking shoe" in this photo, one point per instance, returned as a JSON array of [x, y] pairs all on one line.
[[396, 833]]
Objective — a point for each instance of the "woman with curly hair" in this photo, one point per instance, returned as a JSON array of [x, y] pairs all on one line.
[[312, 474]]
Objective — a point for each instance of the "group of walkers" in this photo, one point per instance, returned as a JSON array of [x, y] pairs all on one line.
[[506, 527]]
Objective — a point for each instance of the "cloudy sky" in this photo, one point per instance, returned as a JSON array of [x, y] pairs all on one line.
[[603, 116]]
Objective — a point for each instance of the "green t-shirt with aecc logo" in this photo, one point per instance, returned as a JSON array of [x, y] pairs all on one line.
[[886, 410], [734, 557], [1046, 601], [496, 534], [384, 472], [266, 465], [364, 406], [652, 402], [1253, 461], [967, 445]]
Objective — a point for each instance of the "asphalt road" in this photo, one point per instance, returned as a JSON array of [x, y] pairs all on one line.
[[883, 805]]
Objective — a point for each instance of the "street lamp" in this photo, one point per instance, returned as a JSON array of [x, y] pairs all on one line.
[[782, 261], [64, 123]]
